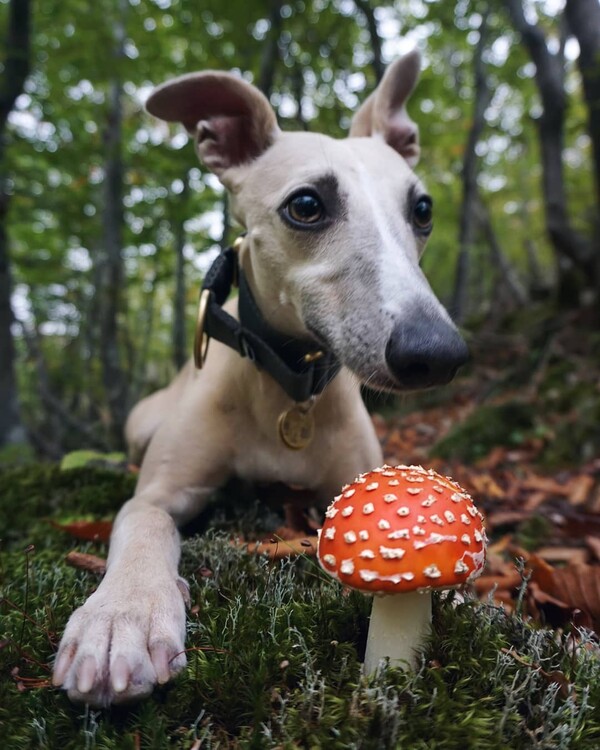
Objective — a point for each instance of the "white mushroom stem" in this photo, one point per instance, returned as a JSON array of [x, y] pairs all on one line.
[[398, 625]]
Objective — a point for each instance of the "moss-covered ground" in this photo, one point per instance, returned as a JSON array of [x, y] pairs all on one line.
[[274, 652]]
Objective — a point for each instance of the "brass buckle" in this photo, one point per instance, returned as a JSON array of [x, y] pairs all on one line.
[[201, 339]]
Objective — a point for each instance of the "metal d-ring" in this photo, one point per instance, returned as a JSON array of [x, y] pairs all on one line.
[[201, 338]]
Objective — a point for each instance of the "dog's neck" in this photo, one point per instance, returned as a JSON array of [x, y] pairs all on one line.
[[300, 366]]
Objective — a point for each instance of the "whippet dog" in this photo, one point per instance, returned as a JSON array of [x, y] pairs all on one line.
[[331, 296]]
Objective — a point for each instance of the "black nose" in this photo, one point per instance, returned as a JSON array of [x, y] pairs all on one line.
[[422, 353]]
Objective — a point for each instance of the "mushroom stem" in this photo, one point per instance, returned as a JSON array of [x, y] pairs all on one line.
[[397, 627]]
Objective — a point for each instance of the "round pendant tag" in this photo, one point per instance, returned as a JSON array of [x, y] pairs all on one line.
[[296, 427]]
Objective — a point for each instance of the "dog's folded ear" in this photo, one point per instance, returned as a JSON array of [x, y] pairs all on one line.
[[231, 120], [384, 111]]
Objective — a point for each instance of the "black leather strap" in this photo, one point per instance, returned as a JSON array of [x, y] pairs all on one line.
[[283, 357]]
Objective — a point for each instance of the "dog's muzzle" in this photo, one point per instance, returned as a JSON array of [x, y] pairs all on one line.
[[422, 353]]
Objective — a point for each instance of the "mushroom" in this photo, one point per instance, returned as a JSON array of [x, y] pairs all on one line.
[[400, 533]]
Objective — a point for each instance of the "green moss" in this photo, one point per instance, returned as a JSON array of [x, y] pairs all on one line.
[[487, 427], [274, 658]]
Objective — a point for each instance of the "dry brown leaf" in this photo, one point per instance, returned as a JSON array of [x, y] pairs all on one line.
[[83, 561], [279, 549], [86, 531], [545, 484], [571, 555], [593, 542], [579, 587], [580, 488]]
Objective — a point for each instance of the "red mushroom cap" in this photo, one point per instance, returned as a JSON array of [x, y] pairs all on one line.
[[399, 529]]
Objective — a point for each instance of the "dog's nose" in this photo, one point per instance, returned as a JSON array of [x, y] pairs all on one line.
[[422, 353]]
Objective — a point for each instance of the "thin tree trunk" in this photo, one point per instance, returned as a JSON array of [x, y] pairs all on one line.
[[266, 75], [583, 17], [16, 65], [368, 12], [469, 206], [111, 270], [507, 274], [549, 77]]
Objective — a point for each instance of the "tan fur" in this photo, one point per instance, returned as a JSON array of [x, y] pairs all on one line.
[[355, 282]]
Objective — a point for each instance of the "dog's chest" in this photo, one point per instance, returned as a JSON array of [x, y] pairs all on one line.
[[261, 456]]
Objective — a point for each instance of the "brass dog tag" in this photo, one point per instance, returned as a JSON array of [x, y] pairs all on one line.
[[296, 427]]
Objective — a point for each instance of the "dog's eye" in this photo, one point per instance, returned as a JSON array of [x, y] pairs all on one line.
[[305, 208], [423, 214]]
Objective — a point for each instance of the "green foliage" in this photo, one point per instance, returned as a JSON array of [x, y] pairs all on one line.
[[322, 68], [274, 655], [488, 426]]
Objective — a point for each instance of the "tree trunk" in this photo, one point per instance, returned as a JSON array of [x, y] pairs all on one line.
[[583, 17], [470, 201], [15, 71], [570, 246], [266, 74], [110, 292], [368, 12]]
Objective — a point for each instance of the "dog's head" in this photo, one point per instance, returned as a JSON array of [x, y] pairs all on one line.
[[335, 228]]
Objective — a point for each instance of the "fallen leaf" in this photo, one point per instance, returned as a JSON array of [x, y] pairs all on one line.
[[281, 548], [83, 561], [86, 531], [580, 488]]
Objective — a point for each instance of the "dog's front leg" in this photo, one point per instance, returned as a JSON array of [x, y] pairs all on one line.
[[129, 635]]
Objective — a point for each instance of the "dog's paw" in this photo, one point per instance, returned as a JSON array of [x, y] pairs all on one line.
[[122, 642]]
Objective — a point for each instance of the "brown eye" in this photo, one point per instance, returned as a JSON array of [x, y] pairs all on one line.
[[305, 208], [423, 214]]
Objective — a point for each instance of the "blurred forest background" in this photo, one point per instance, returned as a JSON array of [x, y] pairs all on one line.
[[107, 222]]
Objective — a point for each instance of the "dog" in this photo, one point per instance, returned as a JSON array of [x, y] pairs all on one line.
[[333, 298]]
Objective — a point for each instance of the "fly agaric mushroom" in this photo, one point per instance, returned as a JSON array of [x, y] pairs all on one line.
[[401, 532]]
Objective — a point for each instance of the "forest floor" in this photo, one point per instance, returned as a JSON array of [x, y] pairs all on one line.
[[514, 665]]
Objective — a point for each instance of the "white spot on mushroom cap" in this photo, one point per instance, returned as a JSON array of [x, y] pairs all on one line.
[[390, 498], [368, 575], [418, 531], [372, 486], [456, 497], [399, 534], [368, 508], [471, 510], [429, 501], [414, 490], [403, 510], [388, 473], [360, 480], [466, 539], [465, 519], [331, 512], [461, 567], [477, 535], [432, 571], [367, 554], [349, 493], [391, 553], [436, 520], [329, 559], [393, 482], [438, 489], [350, 537], [348, 511], [347, 567], [449, 516], [330, 532], [383, 524], [414, 478], [363, 535]]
